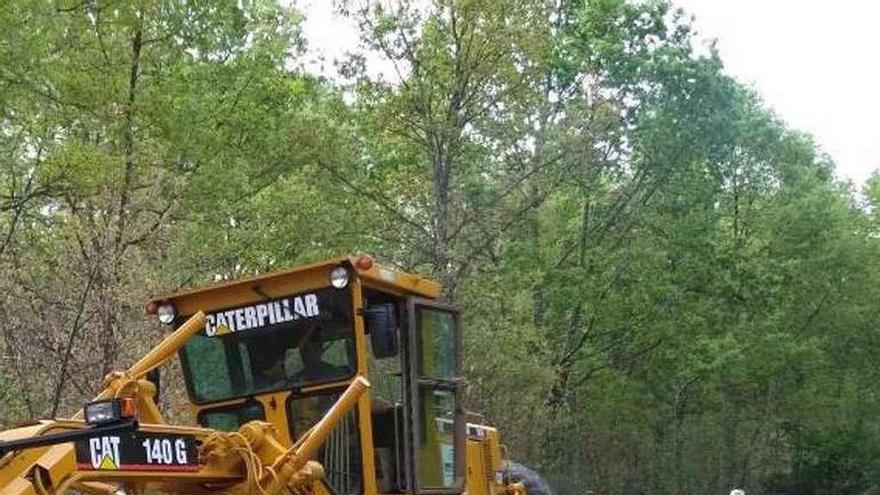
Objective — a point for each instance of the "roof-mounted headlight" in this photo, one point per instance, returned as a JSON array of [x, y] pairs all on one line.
[[166, 313], [339, 277]]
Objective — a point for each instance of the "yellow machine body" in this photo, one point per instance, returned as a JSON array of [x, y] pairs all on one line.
[[363, 396]]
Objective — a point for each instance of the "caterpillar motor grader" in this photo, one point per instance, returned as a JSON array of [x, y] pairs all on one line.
[[340, 377]]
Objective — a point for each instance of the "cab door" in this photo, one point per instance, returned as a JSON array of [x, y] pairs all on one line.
[[435, 417]]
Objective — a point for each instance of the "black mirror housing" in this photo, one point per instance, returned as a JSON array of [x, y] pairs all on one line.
[[381, 323]]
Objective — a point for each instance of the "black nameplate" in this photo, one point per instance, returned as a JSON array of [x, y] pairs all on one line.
[[138, 451]]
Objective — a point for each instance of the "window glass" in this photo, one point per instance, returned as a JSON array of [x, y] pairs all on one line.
[[285, 343], [340, 455], [231, 418], [211, 365], [436, 446], [385, 377], [437, 417], [436, 341], [387, 409], [304, 412]]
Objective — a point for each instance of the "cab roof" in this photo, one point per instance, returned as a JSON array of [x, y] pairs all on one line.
[[296, 279]]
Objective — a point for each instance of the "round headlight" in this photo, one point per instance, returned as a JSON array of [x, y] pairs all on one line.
[[166, 313], [339, 277]]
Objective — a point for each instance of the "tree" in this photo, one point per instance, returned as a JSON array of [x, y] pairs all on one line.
[[127, 114]]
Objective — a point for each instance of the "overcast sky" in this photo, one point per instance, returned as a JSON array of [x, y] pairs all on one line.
[[815, 62]]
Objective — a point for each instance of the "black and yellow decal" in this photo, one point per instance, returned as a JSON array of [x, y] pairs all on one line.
[[139, 451]]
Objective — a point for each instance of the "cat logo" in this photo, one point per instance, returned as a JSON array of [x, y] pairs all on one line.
[[104, 452]]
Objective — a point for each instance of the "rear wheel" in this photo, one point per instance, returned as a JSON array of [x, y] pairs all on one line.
[[534, 483]]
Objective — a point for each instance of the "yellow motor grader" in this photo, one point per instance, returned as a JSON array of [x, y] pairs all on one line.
[[340, 377]]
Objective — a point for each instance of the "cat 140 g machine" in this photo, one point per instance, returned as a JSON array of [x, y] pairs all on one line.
[[340, 377]]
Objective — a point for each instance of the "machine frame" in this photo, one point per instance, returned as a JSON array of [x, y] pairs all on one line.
[[266, 456]]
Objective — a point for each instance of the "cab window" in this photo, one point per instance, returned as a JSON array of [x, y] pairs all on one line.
[[340, 454], [231, 418], [279, 344], [438, 415]]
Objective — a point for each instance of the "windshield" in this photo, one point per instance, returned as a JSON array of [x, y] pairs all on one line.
[[276, 344]]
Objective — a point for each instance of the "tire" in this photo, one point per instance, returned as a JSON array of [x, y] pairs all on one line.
[[534, 483]]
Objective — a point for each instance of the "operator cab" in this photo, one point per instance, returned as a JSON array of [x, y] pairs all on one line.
[[289, 343], [282, 347]]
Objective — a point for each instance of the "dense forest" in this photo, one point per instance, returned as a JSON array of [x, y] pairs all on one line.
[[666, 289]]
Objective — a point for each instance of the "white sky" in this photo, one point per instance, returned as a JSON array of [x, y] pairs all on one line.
[[815, 62]]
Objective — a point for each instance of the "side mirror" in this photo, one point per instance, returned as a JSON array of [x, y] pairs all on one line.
[[381, 322]]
